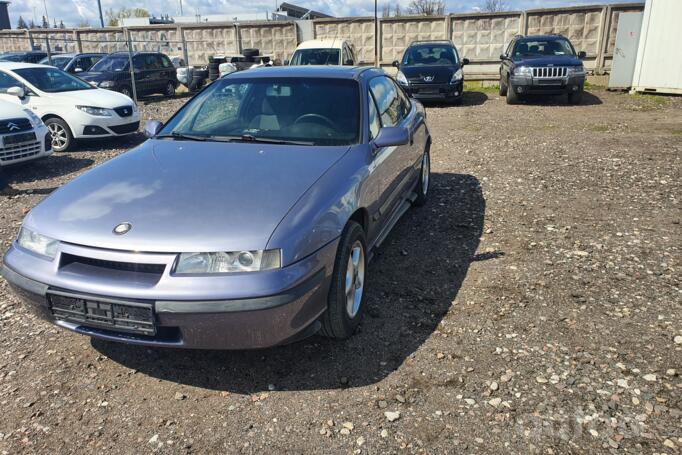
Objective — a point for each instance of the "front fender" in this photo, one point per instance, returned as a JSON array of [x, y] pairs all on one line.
[[320, 215]]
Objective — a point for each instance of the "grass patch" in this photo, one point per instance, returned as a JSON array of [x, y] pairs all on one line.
[[676, 131], [479, 87]]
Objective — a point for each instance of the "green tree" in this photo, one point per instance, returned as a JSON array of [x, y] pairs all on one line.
[[114, 17], [21, 23]]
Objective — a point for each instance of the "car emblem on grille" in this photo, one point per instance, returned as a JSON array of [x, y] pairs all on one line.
[[428, 78], [123, 228], [12, 126]]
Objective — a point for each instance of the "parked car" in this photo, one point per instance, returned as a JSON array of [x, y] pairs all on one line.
[[154, 73], [543, 65], [23, 136], [239, 227], [71, 108], [335, 51], [26, 57], [432, 70], [73, 63]]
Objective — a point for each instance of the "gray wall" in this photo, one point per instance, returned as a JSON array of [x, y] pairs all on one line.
[[481, 37]]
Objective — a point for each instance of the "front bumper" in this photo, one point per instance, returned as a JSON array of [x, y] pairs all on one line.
[[26, 151], [90, 126], [559, 86], [435, 92], [216, 312]]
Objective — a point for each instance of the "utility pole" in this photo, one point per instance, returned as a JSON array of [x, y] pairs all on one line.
[[101, 18], [376, 35], [181, 7]]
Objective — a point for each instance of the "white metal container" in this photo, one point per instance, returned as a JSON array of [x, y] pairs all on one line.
[[659, 66]]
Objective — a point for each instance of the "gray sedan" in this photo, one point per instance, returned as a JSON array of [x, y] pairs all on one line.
[[246, 221]]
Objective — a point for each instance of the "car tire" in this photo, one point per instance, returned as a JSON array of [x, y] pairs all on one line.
[[575, 98], [170, 89], [422, 189], [512, 97], [249, 53], [344, 306], [127, 91], [503, 88], [62, 138]]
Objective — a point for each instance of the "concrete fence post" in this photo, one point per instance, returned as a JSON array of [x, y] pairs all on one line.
[[185, 52], [448, 27], [30, 40], [603, 40], [523, 24], [77, 39]]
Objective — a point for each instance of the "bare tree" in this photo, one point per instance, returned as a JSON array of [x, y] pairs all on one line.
[[386, 10], [427, 7], [494, 6], [397, 12]]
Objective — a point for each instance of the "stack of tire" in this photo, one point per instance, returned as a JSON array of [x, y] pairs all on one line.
[[248, 59], [213, 64], [198, 79]]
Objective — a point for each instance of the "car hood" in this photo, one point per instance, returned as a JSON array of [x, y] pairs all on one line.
[[184, 196], [541, 60], [97, 97], [440, 74]]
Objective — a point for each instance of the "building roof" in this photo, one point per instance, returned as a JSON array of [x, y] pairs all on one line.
[[299, 11]]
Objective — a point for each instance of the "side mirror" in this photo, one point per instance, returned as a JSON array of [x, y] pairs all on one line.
[[582, 55], [396, 63], [152, 128], [465, 61], [503, 57], [286, 62], [17, 91], [391, 136], [349, 62]]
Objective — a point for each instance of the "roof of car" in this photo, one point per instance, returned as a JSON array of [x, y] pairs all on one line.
[[331, 43], [542, 37], [11, 66], [326, 71]]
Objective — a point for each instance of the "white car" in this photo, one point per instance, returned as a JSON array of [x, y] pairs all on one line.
[[70, 107], [23, 136], [337, 51]]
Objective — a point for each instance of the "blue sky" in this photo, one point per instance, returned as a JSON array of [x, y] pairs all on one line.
[[73, 12]]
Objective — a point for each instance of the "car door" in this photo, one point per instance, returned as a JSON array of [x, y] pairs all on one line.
[[167, 71], [142, 82], [504, 66], [391, 164]]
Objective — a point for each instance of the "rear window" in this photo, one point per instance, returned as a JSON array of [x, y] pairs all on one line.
[[111, 63], [316, 57]]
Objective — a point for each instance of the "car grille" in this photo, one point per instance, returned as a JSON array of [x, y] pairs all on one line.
[[550, 72], [15, 125], [132, 317], [124, 111], [155, 269], [27, 147], [126, 128]]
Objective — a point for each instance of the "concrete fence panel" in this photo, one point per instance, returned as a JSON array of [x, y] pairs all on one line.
[[359, 30], [60, 40], [482, 38], [278, 39], [11, 40], [163, 39], [398, 33], [203, 41], [102, 40]]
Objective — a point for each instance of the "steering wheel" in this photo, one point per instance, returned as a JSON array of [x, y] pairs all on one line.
[[322, 118]]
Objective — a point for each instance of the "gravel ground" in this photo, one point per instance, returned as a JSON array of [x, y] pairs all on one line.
[[532, 306]]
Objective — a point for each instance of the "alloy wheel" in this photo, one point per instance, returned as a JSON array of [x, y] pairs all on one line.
[[355, 279], [60, 138]]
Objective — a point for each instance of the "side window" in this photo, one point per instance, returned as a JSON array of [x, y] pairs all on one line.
[[152, 62], [139, 62], [374, 123], [165, 61], [509, 48], [386, 95], [405, 103], [7, 81]]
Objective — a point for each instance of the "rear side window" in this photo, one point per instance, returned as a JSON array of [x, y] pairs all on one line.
[[374, 123], [165, 61], [391, 108]]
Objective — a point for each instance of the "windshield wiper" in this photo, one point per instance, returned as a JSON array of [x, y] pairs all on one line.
[[181, 136], [265, 140]]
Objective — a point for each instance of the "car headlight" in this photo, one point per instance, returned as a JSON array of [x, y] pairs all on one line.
[[96, 111], [576, 70], [35, 120], [37, 243], [400, 77], [106, 84], [232, 262], [458, 76], [523, 71]]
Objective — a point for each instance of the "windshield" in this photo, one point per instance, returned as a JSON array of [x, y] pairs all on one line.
[[111, 63], [314, 111], [316, 57], [431, 55], [52, 80], [547, 47], [59, 62]]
